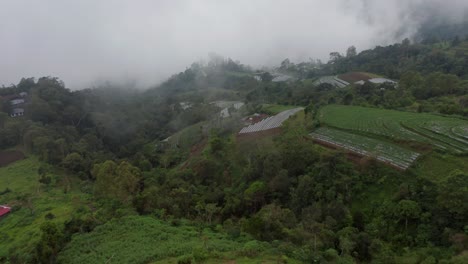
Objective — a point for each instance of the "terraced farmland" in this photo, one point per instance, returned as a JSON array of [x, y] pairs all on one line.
[[270, 122], [386, 152], [450, 134]]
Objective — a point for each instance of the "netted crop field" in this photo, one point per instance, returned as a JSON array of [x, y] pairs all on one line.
[[383, 151], [333, 80], [450, 134], [270, 122]]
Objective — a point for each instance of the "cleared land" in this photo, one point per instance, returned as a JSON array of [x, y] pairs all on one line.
[[270, 122], [7, 157], [449, 134], [353, 77], [31, 202], [386, 152]]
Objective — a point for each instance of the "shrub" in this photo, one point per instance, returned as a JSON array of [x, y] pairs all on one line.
[[252, 249], [187, 259]]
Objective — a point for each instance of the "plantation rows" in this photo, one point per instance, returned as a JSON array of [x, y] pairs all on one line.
[[333, 80], [270, 122], [445, 133], [383, 151]]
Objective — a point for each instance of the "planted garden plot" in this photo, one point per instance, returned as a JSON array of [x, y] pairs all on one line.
[[270, 122], [450, 134], [386, 152]]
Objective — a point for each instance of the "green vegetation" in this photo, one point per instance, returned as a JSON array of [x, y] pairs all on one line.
[[137, 239], [441, 132], [101, 184], [274, 109], [33, 204]]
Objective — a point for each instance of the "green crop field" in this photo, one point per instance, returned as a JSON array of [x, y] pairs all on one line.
[[449, 134], [274, 109], [139, 239], [31, 202], [383, 151]]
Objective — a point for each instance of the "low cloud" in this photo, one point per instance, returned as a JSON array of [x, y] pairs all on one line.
[[89, 41]]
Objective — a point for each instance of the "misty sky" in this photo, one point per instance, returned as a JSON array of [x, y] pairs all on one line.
[[85, 41]]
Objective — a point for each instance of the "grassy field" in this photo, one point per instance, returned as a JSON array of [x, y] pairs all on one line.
[[139, 239], [436, 166], [444, 133], [274, 109], [31, 202]]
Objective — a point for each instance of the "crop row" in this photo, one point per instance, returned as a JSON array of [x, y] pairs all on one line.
[[380, 150], [333, 80], [442, 132]]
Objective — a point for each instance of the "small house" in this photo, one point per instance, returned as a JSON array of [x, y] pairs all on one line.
[[17, 101], [4, 210], [382, 81], [17, 112]]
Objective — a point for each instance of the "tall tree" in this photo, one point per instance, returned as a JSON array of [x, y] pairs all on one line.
[[351, 52], [120, 182]]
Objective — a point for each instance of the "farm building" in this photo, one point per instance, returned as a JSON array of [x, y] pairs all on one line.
[[332, 80], [4, 210], [255, 118], [381, 81], [185, 105], [282, 78], [17, 112], [17, 101], [270, 122], [377, 81], [225, 105]]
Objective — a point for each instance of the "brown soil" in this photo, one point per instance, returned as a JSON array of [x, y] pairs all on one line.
[[353, 77], [195, 151], [7, 157]]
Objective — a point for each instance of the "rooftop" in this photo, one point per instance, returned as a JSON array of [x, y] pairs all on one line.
[[4, 210]]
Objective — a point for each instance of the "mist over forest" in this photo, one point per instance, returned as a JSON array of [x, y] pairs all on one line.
[[87, 43], [188, 132]]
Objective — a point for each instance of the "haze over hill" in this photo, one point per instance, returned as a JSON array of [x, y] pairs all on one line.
[[87, 41]]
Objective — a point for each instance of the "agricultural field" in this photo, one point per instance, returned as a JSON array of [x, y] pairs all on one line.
[[443, 133], [273, 109], [386, 152], [270, 122], [333, 80], [141, 239], [33, 204]]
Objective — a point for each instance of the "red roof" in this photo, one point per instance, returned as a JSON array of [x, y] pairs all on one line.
[[4, 210]]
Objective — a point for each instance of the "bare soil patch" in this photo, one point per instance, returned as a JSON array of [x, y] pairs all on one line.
[[353, 77], [8, 157]]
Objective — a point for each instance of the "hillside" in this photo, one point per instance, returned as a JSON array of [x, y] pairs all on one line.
[[222, 163]]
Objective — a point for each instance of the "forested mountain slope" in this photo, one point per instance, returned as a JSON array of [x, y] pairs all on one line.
[[111, 164]]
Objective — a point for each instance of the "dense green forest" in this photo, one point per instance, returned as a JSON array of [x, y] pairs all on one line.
[[158, 176]]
